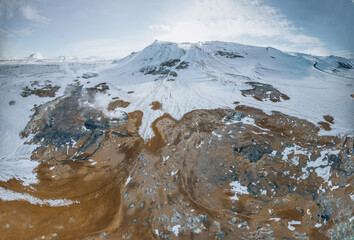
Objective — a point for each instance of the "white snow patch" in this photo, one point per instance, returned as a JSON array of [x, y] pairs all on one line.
[[318, 225], [237, 188], [290, 223], [175, 229], [8, 195], [92, 162], [128, 180]]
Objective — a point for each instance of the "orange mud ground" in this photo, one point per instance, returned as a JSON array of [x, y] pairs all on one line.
[[182, 177]]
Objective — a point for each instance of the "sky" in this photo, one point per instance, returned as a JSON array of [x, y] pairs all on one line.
[[115, 28]]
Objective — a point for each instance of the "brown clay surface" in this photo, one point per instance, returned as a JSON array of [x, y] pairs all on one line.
[[329, 119], [156, 105], [325, 126], [116, 104], [130, 189]]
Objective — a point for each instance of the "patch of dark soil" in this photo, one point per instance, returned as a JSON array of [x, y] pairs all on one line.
[[101, 87], [344, 65], [229, 54], [156, 105], [116, 104], [89, 75], [329, 119], [46, 90], [170, 63], [183, 65], [325, 126], [261, 91], [254, 152]]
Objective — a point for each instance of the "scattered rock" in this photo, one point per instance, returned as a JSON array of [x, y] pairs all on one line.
[[235, 116], [89, 75], [344, 65], [46, 90], [229, 54], [183, 65], [261, 91]]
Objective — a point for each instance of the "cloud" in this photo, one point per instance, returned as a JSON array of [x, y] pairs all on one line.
[[24, 32], [241, 20], [107, 47], [25, 7]]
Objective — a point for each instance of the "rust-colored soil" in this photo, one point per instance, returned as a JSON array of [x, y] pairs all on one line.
[[130, 189], [325, 126], [329, 119], [41, 91], [156, 105], [116, 104]]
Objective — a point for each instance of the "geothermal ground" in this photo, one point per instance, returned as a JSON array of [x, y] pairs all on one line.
[[177, 142]]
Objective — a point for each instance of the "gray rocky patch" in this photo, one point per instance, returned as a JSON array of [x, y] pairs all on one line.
[[235, 116], [261, 91], [228, 54], [89, 75]]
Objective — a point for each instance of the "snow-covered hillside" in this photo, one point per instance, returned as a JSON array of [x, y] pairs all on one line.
[[209, 75]]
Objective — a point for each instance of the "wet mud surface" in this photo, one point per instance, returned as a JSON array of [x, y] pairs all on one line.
[[214, 174]]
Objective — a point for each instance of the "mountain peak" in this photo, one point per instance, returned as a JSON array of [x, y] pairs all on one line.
[[35, 56]]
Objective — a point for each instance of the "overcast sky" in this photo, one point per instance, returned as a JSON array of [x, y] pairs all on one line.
[[114, 28]]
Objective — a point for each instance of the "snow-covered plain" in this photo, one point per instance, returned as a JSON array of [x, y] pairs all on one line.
[[213, 75]]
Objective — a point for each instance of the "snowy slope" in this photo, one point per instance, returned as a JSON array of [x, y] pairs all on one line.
[[14, 76], [216, 73]]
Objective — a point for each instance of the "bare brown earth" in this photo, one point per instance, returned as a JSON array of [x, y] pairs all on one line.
[[45, 90], [181, 177], [156, 105], [116, 104], [325, 126], [329, 119]]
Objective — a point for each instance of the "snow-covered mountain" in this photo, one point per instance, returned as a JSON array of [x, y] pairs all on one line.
[[209, 75], [35, 56]]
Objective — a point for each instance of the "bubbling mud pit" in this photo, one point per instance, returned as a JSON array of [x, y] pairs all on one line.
[[214, 174]]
